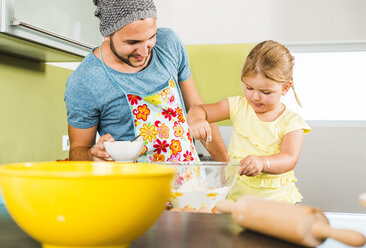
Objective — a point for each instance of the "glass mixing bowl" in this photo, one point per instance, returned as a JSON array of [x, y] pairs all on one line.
[[198, 186]]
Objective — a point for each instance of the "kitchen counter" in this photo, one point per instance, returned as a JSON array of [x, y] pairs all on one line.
[[177, 229]]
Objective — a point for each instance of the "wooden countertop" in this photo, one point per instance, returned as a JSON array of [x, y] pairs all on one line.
[[173, 229]]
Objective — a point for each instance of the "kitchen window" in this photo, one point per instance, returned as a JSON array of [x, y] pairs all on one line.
[[330, 85]]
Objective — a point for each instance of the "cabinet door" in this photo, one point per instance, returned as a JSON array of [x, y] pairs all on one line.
[[64, 25], [68, 18]]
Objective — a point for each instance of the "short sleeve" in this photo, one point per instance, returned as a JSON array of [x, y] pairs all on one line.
[[234, 104], [81, 105], [296, 122], [184, 70]]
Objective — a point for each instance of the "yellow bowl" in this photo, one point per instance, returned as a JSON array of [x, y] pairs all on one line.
[[78, 204]]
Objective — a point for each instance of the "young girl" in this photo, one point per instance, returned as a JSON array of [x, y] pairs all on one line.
[[267, 136]]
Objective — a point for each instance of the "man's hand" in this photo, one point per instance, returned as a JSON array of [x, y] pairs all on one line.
[[98, 151], [251, 166]]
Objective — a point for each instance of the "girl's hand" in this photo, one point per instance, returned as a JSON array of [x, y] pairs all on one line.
[[201, 130], [251, 166]]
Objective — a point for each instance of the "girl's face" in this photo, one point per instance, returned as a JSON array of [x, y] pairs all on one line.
[[263, 93]]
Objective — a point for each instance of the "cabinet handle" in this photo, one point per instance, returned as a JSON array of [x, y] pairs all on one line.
[[26, 25]]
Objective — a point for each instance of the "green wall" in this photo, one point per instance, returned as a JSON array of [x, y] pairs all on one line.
[[216, 70], [33, 115]]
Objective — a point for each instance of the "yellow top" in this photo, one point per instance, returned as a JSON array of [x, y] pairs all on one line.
[[251, 136]]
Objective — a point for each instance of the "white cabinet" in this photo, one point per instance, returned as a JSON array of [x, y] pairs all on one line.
[[48, 30]]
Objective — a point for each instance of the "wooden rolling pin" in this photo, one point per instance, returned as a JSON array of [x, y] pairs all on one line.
[[298, 224]]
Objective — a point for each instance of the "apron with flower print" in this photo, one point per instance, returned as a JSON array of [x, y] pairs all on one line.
[[161, 121]]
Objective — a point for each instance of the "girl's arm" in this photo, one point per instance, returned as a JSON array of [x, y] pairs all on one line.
[[191, 98], [199, 118], [289, 154], [281, 162]]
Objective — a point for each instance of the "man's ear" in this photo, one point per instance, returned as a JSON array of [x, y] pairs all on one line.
[[286, 87], [106, 38]]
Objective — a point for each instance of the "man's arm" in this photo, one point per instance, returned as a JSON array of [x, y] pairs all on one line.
[[191, 97], [82, 146], [81, 141]]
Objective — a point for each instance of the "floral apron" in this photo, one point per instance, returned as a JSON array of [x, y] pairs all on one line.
[[161, 121]]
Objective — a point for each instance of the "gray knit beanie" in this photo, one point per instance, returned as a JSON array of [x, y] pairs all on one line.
[[115, 14]]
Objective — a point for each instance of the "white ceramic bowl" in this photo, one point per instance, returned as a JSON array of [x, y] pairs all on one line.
[[124, 151]]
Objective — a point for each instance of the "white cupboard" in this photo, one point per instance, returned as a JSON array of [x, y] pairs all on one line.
[[48, 30]]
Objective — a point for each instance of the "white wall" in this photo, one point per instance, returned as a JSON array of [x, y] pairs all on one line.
[[332, 169], [293, 22]]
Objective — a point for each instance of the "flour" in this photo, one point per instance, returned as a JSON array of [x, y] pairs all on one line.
[[198, 195]]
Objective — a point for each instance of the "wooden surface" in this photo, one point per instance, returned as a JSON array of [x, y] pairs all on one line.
[[173, 229]]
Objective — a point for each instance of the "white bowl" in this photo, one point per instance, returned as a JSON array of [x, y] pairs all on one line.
[[124, 151]]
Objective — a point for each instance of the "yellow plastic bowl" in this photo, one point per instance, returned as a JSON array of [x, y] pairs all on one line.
[[78, 204]]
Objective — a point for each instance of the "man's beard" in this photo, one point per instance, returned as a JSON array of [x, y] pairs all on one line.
[[126, 61]]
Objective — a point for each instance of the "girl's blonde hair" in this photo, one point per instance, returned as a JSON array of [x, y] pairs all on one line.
[[273, 60]]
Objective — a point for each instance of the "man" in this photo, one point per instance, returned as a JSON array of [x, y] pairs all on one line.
[[138, 82]]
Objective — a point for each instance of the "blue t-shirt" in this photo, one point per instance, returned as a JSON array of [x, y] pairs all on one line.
[[92, 98]]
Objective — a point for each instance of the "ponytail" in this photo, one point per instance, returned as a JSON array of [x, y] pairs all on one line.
[[296, 97]]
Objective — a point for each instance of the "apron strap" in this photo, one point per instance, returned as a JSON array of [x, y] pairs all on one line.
[[106, 70]]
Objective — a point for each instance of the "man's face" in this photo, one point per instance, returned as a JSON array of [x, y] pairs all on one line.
[[132, 44]]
